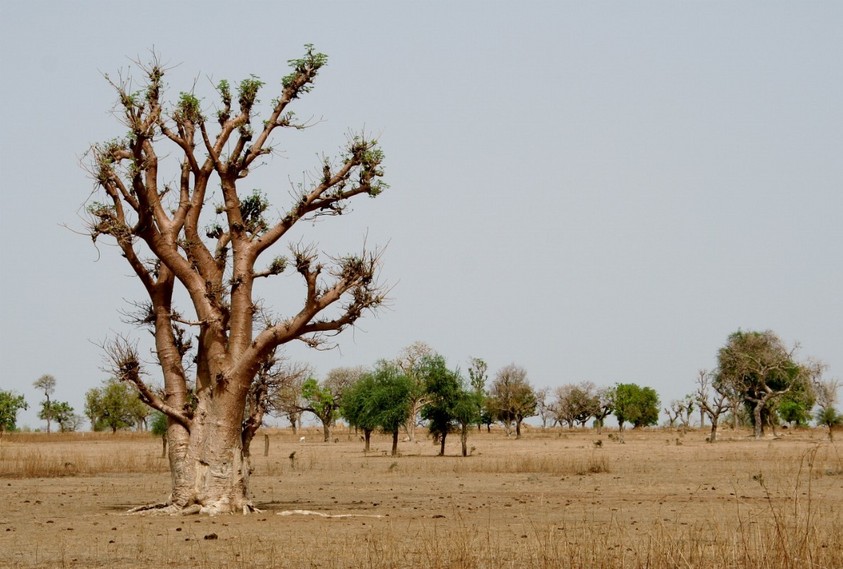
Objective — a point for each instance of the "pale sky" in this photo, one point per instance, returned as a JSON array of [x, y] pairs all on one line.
[[597, 191]]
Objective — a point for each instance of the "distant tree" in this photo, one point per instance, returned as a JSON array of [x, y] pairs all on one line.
[[10, 404], [511, 398], [158, 427], [477, 375], [47, 384], [62, 413], [323, 398], [795, 406], [605, 406], [544, 407], [113, 406], [390, 400], [576, 403], [826, 414], [712, 404], [285, 392], [444, 390], [467, 412], [411, 362], [356, 409], [276, 377], [758, 367], [681, 409], [635, 404], [158, 424]]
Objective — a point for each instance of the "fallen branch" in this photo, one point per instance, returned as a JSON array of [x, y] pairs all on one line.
[[324, 515]]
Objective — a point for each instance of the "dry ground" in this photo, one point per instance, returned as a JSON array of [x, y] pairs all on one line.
[[551, 499]]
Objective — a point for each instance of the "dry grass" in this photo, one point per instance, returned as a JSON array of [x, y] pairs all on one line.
[[553, 499]]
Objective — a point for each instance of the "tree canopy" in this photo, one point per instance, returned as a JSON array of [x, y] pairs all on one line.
[[635, 404], [760, 369], [10, 404], [511, 397]]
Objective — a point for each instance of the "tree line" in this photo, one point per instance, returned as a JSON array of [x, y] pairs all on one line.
[[758, 382]]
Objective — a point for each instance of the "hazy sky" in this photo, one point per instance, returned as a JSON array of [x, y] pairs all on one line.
[[595, 191]]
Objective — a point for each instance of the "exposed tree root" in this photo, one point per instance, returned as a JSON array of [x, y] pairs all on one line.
[[324, 515], [168, 508]]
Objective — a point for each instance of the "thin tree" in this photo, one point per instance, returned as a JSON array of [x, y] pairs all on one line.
[[713, 405], [411, 362], [47, 384], [172, 195], [826, 414], [477, 376]]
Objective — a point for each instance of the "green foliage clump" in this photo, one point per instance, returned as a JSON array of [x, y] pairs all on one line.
[[114, 406], [10, 404], [158, 424], [635, 404]]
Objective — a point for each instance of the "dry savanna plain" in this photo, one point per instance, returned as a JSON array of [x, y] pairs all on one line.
[[555, 498]]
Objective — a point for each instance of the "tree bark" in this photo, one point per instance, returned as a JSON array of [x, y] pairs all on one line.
[[442, 444], [395, 442], [756, 414], [464, 439], [712, 437]]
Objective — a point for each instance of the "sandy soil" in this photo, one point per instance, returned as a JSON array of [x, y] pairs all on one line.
[[512, 502]]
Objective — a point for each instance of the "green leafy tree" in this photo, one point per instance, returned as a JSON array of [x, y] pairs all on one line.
[[795, 406], [356, 409], [62, 413], [511, 398], [466, 410], [323, 399], [158, 425], [444, 389], [390, 400], [175, 195], [761, 370], [47, 384], [635, 404], [10, 404], [113, 406]]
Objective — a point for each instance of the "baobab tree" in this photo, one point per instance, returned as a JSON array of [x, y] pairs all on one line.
[[172, 196]]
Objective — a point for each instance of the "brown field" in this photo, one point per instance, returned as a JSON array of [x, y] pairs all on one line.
[[552, 499]]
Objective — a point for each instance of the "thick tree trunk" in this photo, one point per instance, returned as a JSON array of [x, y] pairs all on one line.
[[367, 437], [464, 439], [517, 428], [326, 431], [442, 444], [210, 466], [756, 414], [395, 442]]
